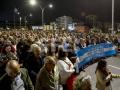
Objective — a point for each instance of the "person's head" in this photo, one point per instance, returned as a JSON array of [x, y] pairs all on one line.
[[82, 82], [49, 63], [12, 68], [7, 49], [86, 83], [102, 65], [62, 53], [35, 49]]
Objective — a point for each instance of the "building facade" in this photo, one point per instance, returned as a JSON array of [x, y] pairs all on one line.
[[63, 22]]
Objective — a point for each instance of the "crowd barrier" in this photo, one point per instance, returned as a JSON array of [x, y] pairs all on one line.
[[91, 53]]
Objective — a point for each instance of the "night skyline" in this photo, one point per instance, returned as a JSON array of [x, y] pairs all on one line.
[[73, 8]]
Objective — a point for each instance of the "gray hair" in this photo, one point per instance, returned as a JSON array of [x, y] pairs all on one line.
[[34, 47]]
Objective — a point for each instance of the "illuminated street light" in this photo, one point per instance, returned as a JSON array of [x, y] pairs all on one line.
[[20, 22], [30, 15], [43, 10], [33, 2], [50, 6], [25, 19], [18, 13]]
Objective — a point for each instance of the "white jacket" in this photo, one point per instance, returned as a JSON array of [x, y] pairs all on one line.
[[66, 68]]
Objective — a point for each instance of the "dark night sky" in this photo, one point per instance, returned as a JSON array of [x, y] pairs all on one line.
[[74, 8]]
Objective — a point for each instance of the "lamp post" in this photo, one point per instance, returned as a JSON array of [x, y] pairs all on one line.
[[15, 12], [30, 15], [43, 10], [113, 7], [20, 22], [33, 2]]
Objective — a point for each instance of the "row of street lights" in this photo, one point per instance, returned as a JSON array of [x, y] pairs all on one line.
[[16, 12], [32, 3]]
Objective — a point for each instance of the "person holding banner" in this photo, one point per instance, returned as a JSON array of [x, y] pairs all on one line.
[[65, 67], [103, 76]]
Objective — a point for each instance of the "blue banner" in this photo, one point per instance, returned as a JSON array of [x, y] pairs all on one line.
[[92, 52]]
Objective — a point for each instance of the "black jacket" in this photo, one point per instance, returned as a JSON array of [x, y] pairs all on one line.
[[5, 81]]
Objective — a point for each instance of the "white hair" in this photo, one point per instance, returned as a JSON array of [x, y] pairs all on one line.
[[34, 47]]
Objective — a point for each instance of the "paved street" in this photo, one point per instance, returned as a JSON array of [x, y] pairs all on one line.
[[114, 66]]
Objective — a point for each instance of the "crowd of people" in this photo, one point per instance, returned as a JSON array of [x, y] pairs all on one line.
[[45, 60]]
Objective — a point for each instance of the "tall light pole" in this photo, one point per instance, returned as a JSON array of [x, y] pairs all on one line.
[[20, 22], [113, 13], [15, 12], [43, 10], [33, 3], [25, 19]]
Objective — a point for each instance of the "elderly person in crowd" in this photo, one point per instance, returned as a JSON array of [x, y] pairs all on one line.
[[34, 62], [46, 79], [16, 78], [65, 67]]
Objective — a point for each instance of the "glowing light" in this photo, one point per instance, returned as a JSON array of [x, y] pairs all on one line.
[[50, 6], [33, 2]]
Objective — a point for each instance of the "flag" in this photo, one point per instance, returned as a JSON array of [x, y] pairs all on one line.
[[90, 53]]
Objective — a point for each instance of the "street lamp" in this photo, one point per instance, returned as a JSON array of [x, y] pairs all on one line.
[[43, 10], [30, 15], [20, 22], [15, 12], [50, 6], [33, 2], [18, 13], [113, 7]]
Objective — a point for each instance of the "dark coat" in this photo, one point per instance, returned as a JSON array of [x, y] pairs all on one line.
[[5, 81], [33, 66]]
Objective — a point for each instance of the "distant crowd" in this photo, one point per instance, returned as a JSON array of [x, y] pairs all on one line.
[[45, 60]]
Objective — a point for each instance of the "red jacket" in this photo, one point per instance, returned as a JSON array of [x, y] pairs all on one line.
[[70, 81]]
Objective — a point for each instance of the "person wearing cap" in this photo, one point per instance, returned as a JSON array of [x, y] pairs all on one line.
[[16, 78]]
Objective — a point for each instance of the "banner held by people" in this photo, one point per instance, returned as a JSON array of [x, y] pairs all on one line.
[[89, 54]]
